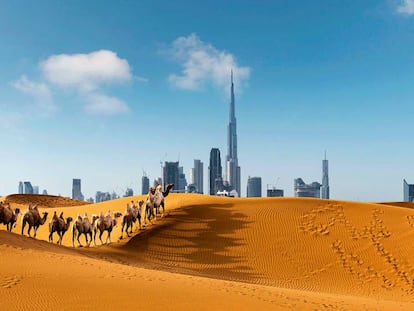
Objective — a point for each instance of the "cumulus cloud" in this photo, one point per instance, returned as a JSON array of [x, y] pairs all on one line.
[[86, 74], [203, 64], [406, 7], [86, 71], [39, 91], [102, 104]]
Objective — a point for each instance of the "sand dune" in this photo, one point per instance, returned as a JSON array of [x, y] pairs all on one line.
[[221, 253]]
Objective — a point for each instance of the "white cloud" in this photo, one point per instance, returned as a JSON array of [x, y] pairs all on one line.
[[39, 91], [86, 74], [406, 7], [86, 71], [102, 104], [203, 64]]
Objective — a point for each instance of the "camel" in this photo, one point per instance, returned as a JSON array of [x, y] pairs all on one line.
[[33, 219], [106, 223], [58, 225], [160, 195], [82, 225], [132, 214], [8, 216], [150, 206]]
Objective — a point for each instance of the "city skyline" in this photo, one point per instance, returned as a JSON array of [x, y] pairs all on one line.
[[105, 96]]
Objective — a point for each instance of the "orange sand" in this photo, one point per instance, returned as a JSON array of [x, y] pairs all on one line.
[[220, 254]]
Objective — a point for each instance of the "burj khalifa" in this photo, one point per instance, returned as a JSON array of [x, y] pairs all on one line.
[[232, 165]]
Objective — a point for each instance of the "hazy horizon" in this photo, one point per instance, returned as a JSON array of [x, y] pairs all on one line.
[[104, 91]]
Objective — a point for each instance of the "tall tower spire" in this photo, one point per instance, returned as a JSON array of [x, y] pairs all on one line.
[[232, 167], [325, 179]]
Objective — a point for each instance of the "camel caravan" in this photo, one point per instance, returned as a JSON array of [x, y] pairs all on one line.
[[141, 212]]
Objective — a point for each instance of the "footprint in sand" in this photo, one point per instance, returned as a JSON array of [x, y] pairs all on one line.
[[10, 281]]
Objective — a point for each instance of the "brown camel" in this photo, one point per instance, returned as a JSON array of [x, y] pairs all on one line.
[[132, 214], [82, 225], [160, 195], [33, 219], [8, 216], [60, 226], [106, 223]]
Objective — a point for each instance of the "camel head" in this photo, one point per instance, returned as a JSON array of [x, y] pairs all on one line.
[[68, 220], [117, 214], [140, 203], [94, 217], [16, 211], [152, 190]]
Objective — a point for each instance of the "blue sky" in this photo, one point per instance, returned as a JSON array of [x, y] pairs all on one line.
[[104, 90]]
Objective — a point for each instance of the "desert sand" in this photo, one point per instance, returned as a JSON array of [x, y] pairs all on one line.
[[214, 253]]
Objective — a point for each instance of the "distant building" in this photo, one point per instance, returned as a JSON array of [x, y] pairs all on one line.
[[275, 192], [102, 196], [306, 190], [28, 189], [171, 174], [90, 200], [408, 191], [44, 192], [145, 184], [182, 181], [325, 179], [76, 190], [129, 193], [197, 176], [21, 187], [233, 170], [254, 187], [35, 189], [215, 172], [114, 195], [191, 188]]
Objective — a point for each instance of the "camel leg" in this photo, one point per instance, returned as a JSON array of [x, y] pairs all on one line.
[[100, 236], [51, 237], [29, 229], [94, 237], [109, 237], [73, 237], [78, 238], [163, 208], [35, 231], [122, 230], [23, 225], [86, 236]]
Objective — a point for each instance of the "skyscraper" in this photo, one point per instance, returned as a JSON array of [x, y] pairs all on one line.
[[182, 181], [28, 189], [325, 179], [254, 187], [171, 173], [408, 191], [197, 176], [215, 177], [233, 171], [76, 190], [21, 187], [145, 184]]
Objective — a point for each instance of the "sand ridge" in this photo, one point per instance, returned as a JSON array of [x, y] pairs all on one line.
[[308, 247]]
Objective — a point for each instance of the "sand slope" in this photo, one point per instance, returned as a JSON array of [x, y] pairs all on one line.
[[307, 253]]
